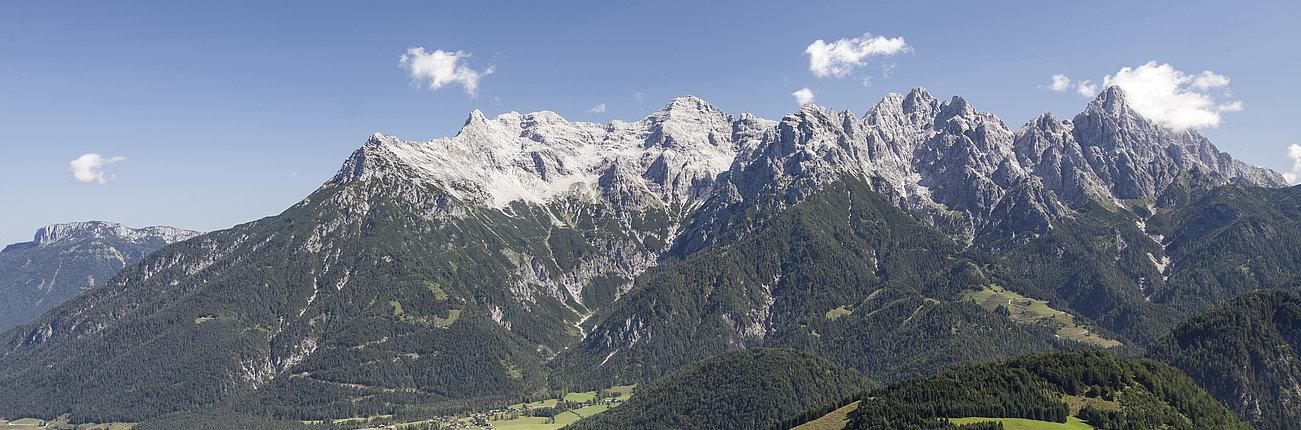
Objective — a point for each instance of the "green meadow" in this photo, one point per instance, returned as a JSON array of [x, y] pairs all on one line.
[[1071, 423]]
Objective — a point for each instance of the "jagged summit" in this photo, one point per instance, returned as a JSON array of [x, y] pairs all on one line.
[[686, 105], [1110, 151], [1111, 99], [943, 157], [671, 156]]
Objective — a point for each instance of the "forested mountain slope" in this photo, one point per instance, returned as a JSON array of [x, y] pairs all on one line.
[[1104, 390], [1222, 241], [844, 274], [1245, 353], [747, 389]]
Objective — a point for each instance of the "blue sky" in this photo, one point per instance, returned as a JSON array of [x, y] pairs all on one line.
[[230, 111]]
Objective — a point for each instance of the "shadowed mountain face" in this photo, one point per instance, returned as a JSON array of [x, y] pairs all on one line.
[[529, 252], [65, 259], [1245, 352]]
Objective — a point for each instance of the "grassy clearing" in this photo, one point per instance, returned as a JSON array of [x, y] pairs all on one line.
[[1076, 403], [452, 315], [620, 392], [59, 424], [585, 396], [439, 293], [838, 312], [623, 391], [434, 320], [1025, 310], [834, 420], [1071, 423], [475, 420], [540, 423]]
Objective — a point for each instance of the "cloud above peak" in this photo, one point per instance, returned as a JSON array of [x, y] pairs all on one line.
[[1173, 98], [803, 96], [1163, 94], [442, 68], [1294, 154], [89, 168], [840, 58], [1086, 88], [1061, 83]]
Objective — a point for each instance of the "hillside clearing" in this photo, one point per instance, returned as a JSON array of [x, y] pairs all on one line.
[[1072, 423], [1025, 310], [834, 420]]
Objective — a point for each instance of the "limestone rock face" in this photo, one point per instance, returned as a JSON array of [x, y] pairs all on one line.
[[943, 160], [1110, 151]]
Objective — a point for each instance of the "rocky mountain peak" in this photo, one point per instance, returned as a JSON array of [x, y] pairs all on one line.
[[919, 100], [674, 153], [956, 106], [942, 157], [688, 120], [1111, 101], [688, 105], [102, 229], [1137, 158], [897, 114], [1046, 121]]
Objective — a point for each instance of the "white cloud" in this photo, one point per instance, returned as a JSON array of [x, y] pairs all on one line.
[[442, 68], [1173, 98], [1086, 88], [1294, 153], [1060, 83], [1233, 106], [89, 168], [1208, 80], [803, 96], [888, 69], [598, 108], [638, 96], [841, 57], [867, 81]]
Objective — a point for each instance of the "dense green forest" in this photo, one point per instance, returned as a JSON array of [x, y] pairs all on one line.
[[1245, 353], [1105, 390], [747, 389], [1227, 240]]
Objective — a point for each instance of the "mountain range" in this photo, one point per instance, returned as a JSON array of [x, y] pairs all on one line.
[[62, 260], [529, 253]]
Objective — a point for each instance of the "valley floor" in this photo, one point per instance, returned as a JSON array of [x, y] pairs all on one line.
[[520, 416], [59, 424]]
